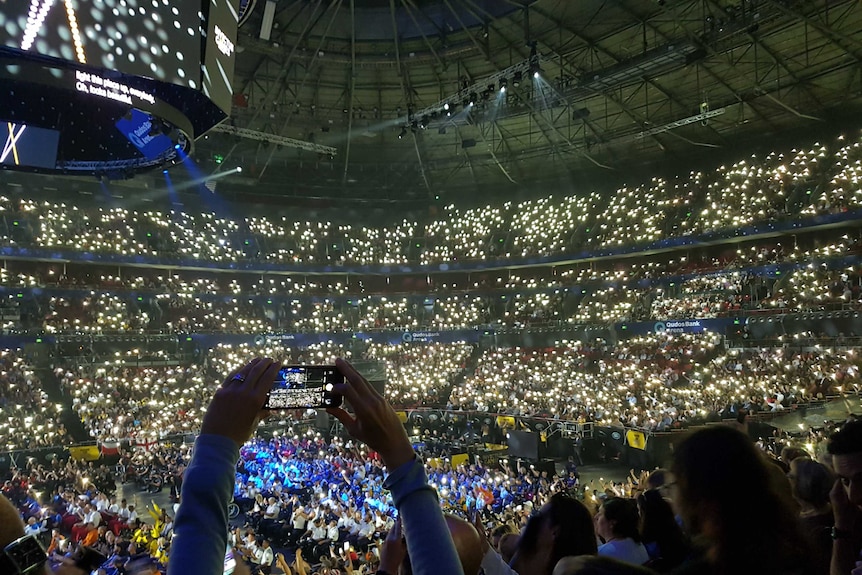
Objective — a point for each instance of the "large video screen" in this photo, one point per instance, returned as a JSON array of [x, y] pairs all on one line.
[[28, 146], [222, 18], [159, 39]]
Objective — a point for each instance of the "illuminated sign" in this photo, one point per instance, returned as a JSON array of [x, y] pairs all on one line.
[[224, 44], [15, 133], [28, 146], [109, 89], [158, 39], [36, 19], [138, 127]]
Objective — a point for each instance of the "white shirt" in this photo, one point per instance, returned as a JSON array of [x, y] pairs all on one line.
[[299, 520], [93, 517], [264, 556], [348, 524], [332, 533], [272, 511], [318, 533], [493, 564], [366, 529], [625, 550]]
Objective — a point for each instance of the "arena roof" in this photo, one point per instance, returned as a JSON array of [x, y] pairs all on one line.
[[621, 82]]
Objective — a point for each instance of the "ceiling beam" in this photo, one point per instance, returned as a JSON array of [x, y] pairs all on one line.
[[336, 4], [406, 95], [351, 82]]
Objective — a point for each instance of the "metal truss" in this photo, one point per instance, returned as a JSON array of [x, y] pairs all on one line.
[[275, 139], [680, 123]]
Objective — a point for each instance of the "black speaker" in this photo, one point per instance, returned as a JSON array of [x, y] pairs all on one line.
[[523, 445]]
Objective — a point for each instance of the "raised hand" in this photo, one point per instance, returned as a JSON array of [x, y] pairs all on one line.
[[373, 422], [237, 406]]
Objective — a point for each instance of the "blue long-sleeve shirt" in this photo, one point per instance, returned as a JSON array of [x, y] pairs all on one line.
[[201, 524], [429, 543]]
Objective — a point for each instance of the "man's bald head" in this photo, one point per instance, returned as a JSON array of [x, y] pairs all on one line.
[[467, 543]]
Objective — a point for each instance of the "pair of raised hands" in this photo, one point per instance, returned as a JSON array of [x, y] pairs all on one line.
[[235, 410]]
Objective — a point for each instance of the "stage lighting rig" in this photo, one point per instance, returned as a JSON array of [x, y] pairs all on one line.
[[469, 94]]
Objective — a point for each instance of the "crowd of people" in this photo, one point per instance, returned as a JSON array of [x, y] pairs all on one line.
[[118, 398], [604, 297], [309, 505], [305, 505], [27, 418], [656, 382], [71, 504], [817, 179]]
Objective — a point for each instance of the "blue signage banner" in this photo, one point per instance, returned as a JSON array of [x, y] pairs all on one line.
[[675, 326], [138, 127]]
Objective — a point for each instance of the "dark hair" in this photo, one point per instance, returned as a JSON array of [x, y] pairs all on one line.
[[659, 526], [656, 478], [723, 481], [576, 534], [624, 515], [812, 482], [846, 440]]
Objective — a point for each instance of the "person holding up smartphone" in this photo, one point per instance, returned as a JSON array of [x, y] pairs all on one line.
[[200, 527]]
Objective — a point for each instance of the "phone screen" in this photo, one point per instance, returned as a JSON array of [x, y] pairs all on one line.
[[304, 387], [229, 562]]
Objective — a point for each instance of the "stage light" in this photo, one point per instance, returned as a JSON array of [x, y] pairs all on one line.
[[164, 171], [178, 147], [403, 133], [536, 74], [239, 169]]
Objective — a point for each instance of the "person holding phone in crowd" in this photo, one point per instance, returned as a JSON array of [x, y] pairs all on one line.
[[201, 524]]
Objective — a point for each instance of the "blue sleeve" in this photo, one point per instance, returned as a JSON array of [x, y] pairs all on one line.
[[428, 540], [200, 527]]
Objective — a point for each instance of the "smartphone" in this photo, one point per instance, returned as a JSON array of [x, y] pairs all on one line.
[[229, 562], [24, 555], [88, 559], [304, 387]]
